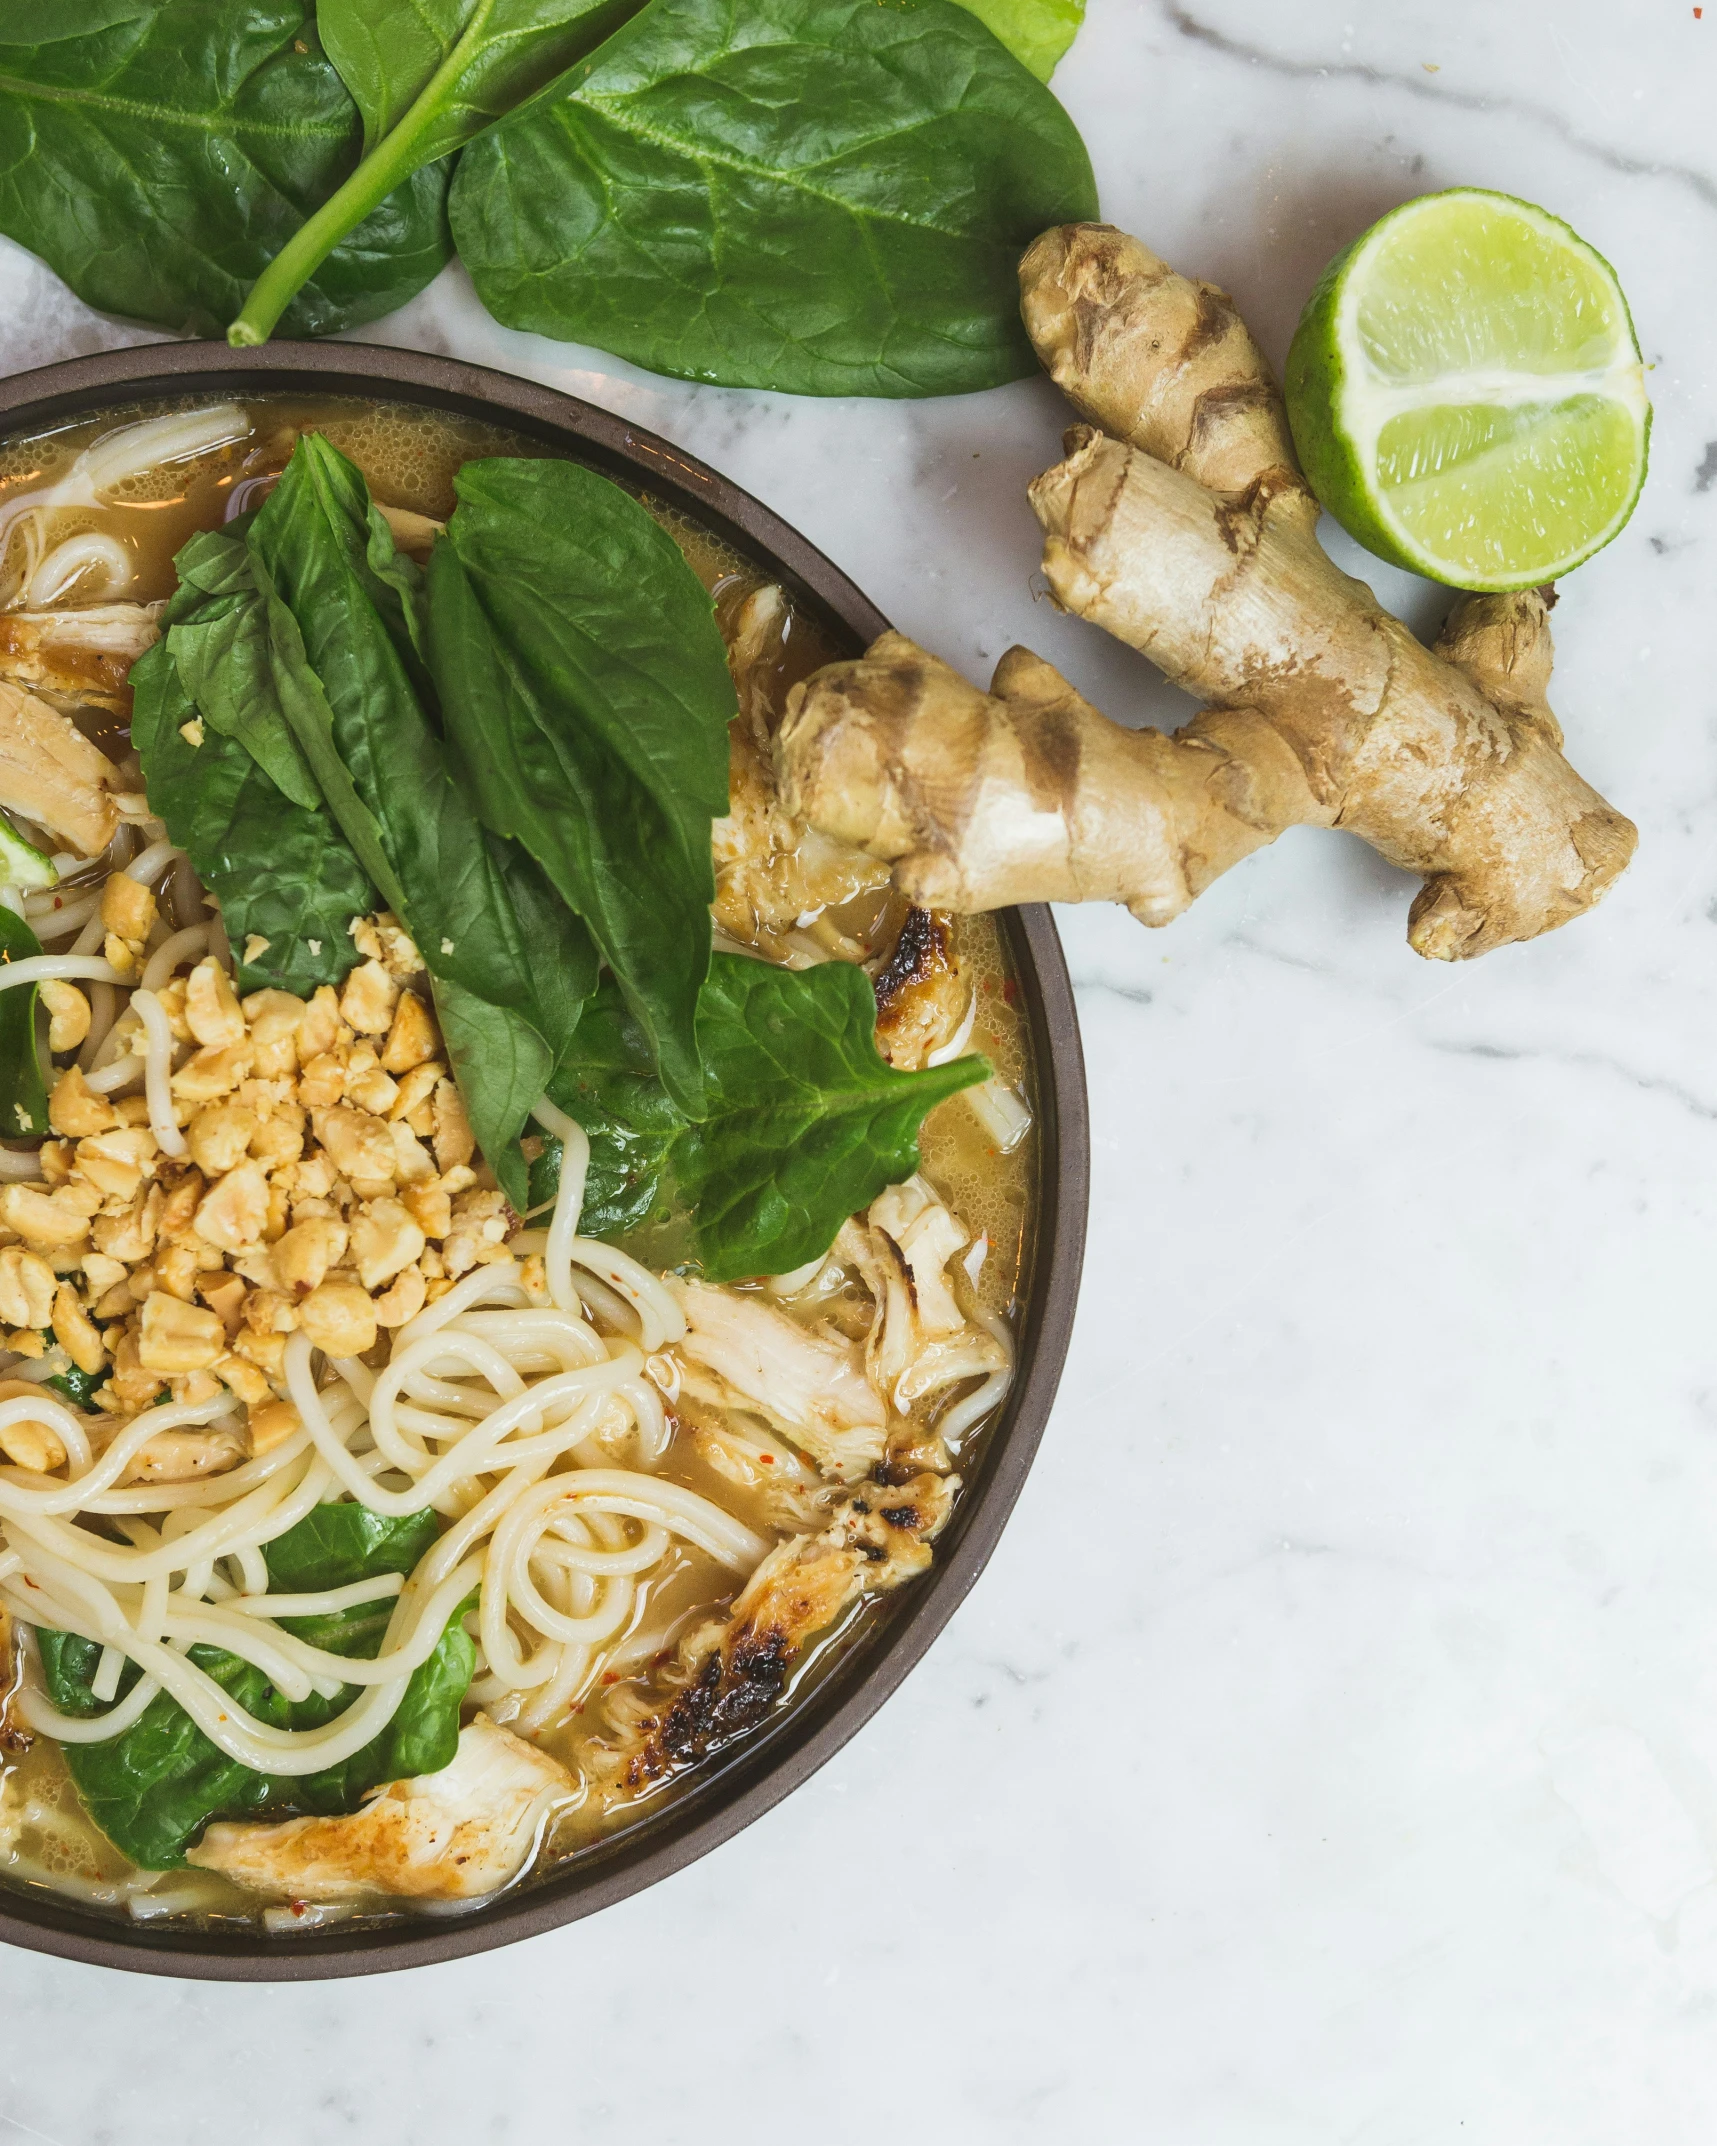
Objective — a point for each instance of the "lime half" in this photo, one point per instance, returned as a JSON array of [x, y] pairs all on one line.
[[1466, 393]]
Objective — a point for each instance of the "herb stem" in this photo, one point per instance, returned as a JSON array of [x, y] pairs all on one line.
[[389, 164]]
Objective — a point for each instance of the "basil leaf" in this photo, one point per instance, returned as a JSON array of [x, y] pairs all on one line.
[[328, 559], [806, 1123], [154, 1787], [281, 871], [826, 197], [585, 688], [390, 53], [23, 1097], [158, 160], [1036, 32], [229, 660]]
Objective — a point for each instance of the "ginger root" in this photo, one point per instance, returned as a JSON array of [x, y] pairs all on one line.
[[1184, 527]]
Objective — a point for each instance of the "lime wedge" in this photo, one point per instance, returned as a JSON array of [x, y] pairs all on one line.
[[1466, 393]]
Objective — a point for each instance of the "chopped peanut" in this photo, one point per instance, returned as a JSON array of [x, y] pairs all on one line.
[[417, 1086], [212, 1012], [127, 907], [403, 1300], [223, 1293], [276, 1142], [133, 1386], [412, 1161], [46, 1218], [272, 1424], [431, 1209], [130, 1235], [75, 1109], [274, 1018], [176, 1271], [212, 1073], [361, 1146], [102, 1273], [374, 1091], [234, 1213], [181, 1204], [55, 1159], [385, 1238], [219, 1136], [453, 1139], [76, 1332], [29, 1444], [367, 1002], [322, 1082], [27, 1288], [306, 1252], [339, 1319], [319, 1030], [178, 1337], [411, 1039], [117, 1163], [242, 1378], [68, 1011]]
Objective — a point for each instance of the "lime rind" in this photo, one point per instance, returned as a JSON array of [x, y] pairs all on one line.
[[1458, 439]]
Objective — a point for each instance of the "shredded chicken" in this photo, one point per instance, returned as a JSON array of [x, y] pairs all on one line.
[[453, 1835], [52, 774], [920, 1339], [773, 875], [731, 1670], [922, 999], [84, 653], [740, 1352]]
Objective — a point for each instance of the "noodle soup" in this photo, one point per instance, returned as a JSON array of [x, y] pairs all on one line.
[[378, 1528]]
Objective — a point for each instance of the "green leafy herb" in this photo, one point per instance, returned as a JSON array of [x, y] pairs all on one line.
[[823, 196], [805, 1125], [158, 157], [427, 74], [282, 872], [1036, 32], [76, 1385], [23, 1097], [585, 686], [154, 1787], [508, 1003]]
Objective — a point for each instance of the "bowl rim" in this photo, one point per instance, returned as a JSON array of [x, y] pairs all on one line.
[[737, 1788]]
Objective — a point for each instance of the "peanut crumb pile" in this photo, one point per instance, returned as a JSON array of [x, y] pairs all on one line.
[[329, 1186]]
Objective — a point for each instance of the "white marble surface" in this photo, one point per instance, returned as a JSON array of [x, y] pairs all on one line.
[[1330, 1752]]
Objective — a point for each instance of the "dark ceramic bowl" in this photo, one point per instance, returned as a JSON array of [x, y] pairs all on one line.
[[737, 1787]]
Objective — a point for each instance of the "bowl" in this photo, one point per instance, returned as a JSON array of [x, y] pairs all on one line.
[[735, 1788]]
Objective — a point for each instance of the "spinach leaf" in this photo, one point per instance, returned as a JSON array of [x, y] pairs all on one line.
[[1036, 32], [22, 21], [822, 196], [281, 871], [475, 58], [23, 1097], [806, 1124], [160, 157], [508, 1002], [426, 74], [154, 1787], [586, 691]]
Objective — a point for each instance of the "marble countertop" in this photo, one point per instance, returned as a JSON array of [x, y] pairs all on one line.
[[1329, 1753]]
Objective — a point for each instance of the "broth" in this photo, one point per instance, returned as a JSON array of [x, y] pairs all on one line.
[[409, 455]]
